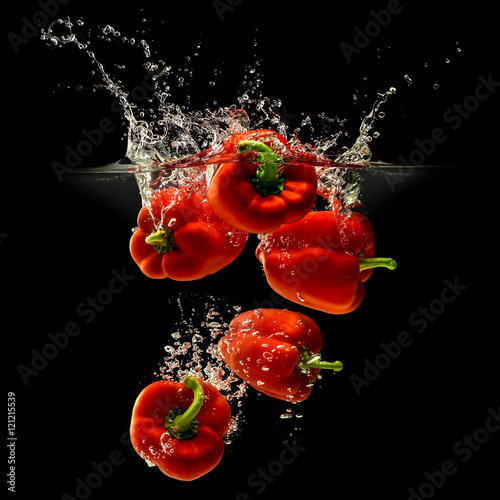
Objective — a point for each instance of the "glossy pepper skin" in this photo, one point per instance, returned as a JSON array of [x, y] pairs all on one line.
[[181, 238], [322, 261], [276, 352], [187, 453], [260, 195]]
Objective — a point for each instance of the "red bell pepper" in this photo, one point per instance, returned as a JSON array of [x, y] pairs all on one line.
[[322, 260], [276, 352], [180, 237], [180, 427], [260, 195]]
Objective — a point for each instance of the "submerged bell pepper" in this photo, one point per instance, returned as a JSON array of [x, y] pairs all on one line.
[[181, 238], [322, 261], [276, 352], [259, 194], [180, 427]]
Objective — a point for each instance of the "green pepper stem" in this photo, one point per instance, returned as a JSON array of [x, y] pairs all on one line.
[[247, 146], [269, 175], [370, 263], [182, 424], [308, 360], [162, 240], [324, 365], [266, 179]]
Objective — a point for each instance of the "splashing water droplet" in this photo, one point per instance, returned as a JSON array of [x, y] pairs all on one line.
[[172, 132]]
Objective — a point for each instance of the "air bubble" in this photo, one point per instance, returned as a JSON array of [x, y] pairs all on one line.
[[214, 324]]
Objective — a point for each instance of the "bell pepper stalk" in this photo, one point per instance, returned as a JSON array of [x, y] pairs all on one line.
[[266, 179], [322, 261], [260, 193], [180, 237], [179, 427], [275, 351]]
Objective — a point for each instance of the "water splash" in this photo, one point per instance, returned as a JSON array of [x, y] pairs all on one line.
[[163, 132], [345, 184], [192, 350]]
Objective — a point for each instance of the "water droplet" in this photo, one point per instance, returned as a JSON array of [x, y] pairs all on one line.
[[435, 86]]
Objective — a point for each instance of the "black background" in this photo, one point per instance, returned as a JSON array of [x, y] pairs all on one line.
[[61, 240]]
